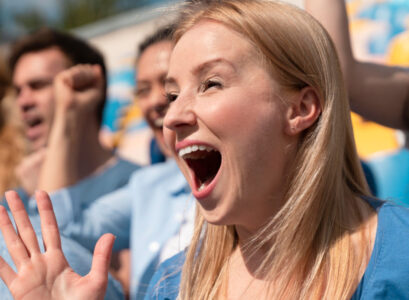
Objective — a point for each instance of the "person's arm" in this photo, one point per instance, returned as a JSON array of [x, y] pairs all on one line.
[[78, 91], [47, 275], [109, 213], [377, 92], [84, 217], [28, 170]]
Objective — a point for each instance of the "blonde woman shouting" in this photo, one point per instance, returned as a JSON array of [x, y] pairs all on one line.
[[259, 124]]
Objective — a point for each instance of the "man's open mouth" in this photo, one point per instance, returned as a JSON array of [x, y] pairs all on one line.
[[33, 122], [33, 127], [204, 162]]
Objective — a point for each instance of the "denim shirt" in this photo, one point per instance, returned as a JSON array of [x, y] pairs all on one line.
[[386, 276]]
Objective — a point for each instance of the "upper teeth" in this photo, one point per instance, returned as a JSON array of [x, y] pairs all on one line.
[[194, 148]]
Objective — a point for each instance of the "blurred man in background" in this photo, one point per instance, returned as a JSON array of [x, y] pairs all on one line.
[[62, 114]]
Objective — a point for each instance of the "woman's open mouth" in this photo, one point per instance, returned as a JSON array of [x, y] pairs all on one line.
[[204, 163]]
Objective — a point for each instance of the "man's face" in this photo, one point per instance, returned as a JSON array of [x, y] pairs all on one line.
[[152, 69], [33, 80]]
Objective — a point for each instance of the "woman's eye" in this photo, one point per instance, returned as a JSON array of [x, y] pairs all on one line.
[[210, 84], [171, 97]]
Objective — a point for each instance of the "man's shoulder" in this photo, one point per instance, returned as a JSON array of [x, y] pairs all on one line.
[[158, 173], [158, 186], [124, 164], [121, 168], [110, 178]]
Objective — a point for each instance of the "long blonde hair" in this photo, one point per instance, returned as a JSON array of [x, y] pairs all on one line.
[[12, 144], [312, 232]]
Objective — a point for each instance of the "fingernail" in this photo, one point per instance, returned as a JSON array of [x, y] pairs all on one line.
[[8, 192]]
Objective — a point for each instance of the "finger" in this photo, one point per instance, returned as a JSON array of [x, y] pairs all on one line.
[[63, 82], [85, 76], [101, 259], [24, 227], [17, 250], [49, 226], [99, 77], [7, 274], [63, 90]]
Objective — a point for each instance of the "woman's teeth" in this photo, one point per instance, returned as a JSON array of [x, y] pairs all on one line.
[[204, 161], [194, 148], [202, 186]]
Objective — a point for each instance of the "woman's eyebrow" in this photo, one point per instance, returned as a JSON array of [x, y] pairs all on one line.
[[203, 68], [207, 65]]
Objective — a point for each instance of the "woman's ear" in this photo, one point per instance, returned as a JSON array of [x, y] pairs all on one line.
[[304, 110]]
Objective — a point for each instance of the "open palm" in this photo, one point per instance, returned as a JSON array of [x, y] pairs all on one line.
[[47, 275]]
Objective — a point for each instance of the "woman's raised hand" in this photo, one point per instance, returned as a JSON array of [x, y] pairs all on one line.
[[47, 275]]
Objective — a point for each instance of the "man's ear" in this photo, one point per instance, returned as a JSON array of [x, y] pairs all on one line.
[[303, 111]]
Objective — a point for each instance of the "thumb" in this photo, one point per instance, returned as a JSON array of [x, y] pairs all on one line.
[[101, 259]]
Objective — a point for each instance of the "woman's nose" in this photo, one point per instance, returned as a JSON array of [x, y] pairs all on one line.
[[180, 114]]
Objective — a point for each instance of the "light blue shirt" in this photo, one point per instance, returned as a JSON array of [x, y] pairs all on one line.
[[161, 205], [146, 213]]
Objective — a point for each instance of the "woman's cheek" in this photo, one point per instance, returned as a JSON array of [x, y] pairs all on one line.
[[170, 137]]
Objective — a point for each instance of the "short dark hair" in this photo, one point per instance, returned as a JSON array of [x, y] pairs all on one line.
[[4, 83], [75, 49], [4, 79], [163, 33]]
